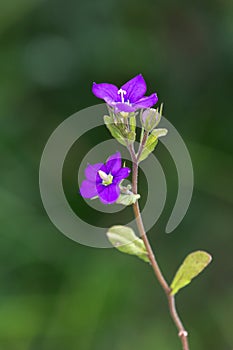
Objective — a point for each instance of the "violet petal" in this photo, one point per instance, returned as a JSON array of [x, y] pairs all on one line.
[[122, 174], [107, 92], [113, 163], [135, 88], [88, 189], [123, 107], [91, 171], [108, 194], [146, 102], [105, 170]]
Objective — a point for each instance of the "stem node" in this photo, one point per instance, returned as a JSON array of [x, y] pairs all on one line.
[[183, 333]]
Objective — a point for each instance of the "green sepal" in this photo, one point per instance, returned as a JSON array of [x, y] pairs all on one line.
[[114, 130], [131, 136], [193, 264], [142, 134], [132, 123], [152, 142], [119, 129], [128, 199], [124, 239], [125, 130]]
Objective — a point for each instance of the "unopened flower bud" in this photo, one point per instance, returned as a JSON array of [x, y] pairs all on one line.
[[150, 119]]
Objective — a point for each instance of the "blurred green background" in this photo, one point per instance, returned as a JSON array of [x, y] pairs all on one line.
[[55, 293]]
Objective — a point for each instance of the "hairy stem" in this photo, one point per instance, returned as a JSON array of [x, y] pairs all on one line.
[[142, 144], [182, 333]]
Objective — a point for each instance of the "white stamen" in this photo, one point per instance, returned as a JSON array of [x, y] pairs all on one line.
[[107, 179], [103, 175], [122, 93]]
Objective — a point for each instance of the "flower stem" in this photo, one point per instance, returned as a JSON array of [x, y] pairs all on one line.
[[182, 333], [142, 144]]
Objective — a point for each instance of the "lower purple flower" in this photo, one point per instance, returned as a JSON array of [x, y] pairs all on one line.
[[103, 180]]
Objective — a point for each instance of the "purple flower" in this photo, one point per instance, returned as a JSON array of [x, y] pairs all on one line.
[[103, 180], [128, 98]]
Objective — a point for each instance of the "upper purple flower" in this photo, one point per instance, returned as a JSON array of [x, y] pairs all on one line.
[[103, 180], [128, 98]]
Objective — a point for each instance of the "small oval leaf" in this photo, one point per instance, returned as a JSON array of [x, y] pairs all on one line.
[[159, 132], [128, 199], [192, 265], [149, 147], [124, 239], [151, 142]]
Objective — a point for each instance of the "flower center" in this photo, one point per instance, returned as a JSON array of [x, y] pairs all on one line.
[[122, 93], [106, 179]]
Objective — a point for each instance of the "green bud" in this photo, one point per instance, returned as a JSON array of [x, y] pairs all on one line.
[[150, 118]]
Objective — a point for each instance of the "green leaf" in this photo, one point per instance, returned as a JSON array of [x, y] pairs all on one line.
[[151, 142], [124, 239], [114, 130], [128, 199], [149, 147], [193, 264], [159, 132]]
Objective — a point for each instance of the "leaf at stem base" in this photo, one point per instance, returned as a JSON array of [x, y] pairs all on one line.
[[192, 265]]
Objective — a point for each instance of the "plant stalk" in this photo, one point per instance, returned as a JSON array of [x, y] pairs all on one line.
[[182, 333]]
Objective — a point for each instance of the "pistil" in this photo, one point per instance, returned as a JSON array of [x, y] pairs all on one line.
[[122, 93]]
